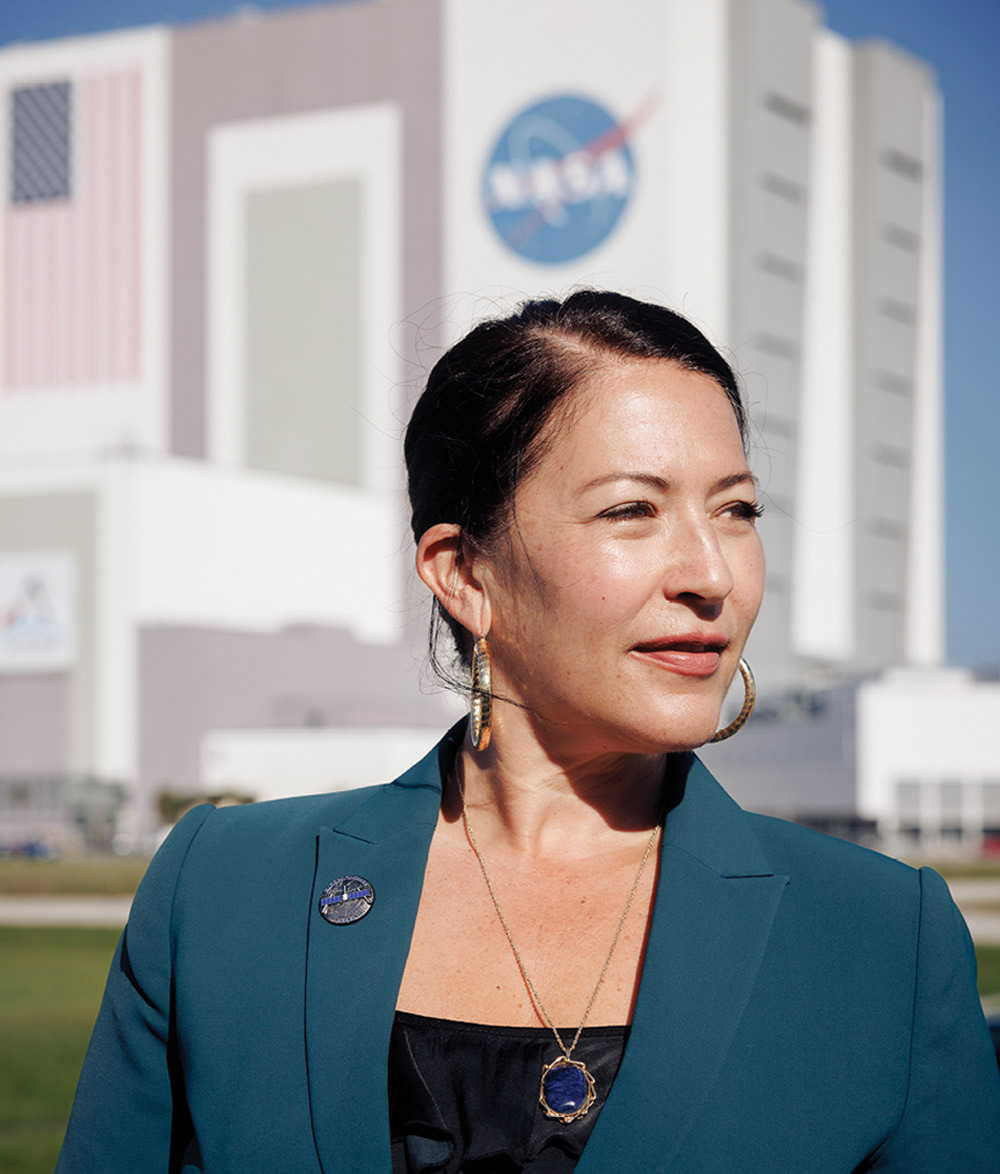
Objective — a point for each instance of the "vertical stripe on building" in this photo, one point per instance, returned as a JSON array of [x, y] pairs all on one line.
[[72, 272]]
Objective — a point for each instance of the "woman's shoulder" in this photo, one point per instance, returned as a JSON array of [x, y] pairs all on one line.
[[278, 837], [813, 863], [794, 844], [272, 821], [826, 868], [238, 849]]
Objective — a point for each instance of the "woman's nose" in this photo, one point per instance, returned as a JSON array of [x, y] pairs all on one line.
[[697, 565]]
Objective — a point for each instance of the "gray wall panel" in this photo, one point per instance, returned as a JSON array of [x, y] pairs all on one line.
[[291, 62], [303, 331], [193, 680], [34, 723]]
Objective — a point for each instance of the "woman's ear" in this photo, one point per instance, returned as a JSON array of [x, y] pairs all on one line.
[[449, 571]]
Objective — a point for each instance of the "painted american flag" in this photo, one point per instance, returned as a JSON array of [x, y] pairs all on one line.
[[72, 281]]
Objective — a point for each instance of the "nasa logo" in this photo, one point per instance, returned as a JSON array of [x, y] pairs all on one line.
[[559, 179]]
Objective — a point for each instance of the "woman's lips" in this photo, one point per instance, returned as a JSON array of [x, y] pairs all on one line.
[[688, 661]]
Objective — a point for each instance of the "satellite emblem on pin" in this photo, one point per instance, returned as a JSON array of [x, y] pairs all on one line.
[[347, 899]]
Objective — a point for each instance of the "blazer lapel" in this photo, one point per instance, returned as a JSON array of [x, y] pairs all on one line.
[[715, 905], [353, 971]]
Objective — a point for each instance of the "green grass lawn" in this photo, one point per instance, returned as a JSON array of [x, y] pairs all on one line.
[[51, 980], [963, 869], [989, 971], [107, 876]]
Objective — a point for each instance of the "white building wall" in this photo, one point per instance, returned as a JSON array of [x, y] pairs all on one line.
[[823, 568], [897, 381], [276, 764], [770, 132], [869, 588], [924, 634], [927, 756], [660, 70], [256, 552], [182, 544]]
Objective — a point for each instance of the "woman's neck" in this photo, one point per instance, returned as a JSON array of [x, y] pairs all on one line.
[[530, 796]]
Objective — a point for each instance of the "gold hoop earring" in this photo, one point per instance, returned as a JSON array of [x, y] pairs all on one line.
[[482, 695], [749, 697]]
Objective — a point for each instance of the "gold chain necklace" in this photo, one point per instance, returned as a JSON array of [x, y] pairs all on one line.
[[567, 1088]]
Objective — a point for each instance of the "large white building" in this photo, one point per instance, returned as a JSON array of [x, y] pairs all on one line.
[[231, 251]]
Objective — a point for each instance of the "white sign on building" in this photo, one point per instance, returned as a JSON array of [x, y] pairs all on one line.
[[37, 613]]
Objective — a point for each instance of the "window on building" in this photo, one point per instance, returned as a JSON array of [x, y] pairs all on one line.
[[779, 426], [890, 454], [784, 188], [897, 311], [773, 344], [908, 797], [991, 799], [950, 798], [887, 528], [778, 503], [885, 600], [901, 238], [781, 267], [787, 107], [902, 164], [897, 384]]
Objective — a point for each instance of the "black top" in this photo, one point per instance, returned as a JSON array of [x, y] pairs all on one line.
[[463, 1097]]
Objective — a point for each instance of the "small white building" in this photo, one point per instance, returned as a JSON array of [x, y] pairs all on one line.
[[928, 760]]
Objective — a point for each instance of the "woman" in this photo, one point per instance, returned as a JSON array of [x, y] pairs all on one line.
[[555, 943]]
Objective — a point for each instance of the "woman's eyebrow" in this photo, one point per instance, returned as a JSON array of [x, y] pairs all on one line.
[[650, 479], [744, 477]]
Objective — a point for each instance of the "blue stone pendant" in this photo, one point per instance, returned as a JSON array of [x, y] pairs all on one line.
[[567, 1089]]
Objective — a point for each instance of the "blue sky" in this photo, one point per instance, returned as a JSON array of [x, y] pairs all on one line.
[[961, 39]]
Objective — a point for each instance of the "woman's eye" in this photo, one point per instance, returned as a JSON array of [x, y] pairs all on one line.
[[629, 509], [750, 511]]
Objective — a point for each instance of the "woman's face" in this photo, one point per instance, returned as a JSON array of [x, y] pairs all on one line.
[[633, 572]]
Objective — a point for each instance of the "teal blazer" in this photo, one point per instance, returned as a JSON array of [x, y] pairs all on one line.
[[805, 1005]]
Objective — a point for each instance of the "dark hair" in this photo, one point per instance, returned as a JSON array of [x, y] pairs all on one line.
[[480, 425]]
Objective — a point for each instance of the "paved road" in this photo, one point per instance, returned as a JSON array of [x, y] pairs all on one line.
[[112, 911], [969, 892], [971, 896], [984, 927]]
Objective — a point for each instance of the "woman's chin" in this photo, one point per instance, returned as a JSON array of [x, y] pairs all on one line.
[[682, 724], [641, 724], [660, 733]]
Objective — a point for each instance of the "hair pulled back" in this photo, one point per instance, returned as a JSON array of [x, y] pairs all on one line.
[[479, 426]]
